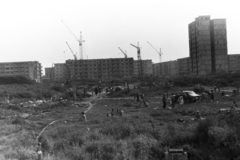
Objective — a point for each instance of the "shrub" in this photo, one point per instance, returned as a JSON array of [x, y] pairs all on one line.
[[27, 95], [59, 88], [143, 147], [18, 120], [202, 129], [118, 131]]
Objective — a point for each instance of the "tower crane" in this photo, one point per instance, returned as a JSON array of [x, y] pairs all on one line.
[[125, 53], [159, 52], [80, 41], [74, 55], [139, 59]]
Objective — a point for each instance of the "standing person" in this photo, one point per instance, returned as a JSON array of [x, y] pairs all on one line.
[[84, 92], [181, 101], [92, 90], [215, 89], [212, 96], [173, 100], [164, 100], [96, 90], [121, 112], [142, 97], [137, 96], [39, 151]]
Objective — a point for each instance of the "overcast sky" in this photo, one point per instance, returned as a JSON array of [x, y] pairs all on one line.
[[32, 30]]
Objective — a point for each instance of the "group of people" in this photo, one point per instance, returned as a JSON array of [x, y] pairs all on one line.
[[118, 112], [141, 100], [172, 100]]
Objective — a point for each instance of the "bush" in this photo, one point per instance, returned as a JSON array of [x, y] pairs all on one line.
[[59, 88], [202, 129], [27, 95], [118, 131]]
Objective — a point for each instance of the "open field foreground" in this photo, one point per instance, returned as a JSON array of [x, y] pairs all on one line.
[[140, 133]]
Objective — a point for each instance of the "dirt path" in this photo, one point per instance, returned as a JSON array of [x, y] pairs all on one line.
[[86, 101]]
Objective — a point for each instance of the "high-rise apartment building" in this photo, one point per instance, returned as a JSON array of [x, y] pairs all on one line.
[[99, 68], [208, 45], [29, 69]]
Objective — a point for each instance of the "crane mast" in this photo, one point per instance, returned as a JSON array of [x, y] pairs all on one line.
[[140, 71], [125, 53], [159, 52]]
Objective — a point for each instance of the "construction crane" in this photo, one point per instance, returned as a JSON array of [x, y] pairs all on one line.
[[125, 53], [80, 41], [139, 59], [74, 55], [159, 52]]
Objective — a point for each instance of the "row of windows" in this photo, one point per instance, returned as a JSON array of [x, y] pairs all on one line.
[[13, 72]]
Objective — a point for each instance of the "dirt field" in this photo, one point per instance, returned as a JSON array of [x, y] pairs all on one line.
[[141, 133]]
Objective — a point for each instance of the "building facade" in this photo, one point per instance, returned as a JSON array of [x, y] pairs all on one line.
[[169, 68], [146, 68], [29, 69], [60, 72], [184, 66], [49, 73], [99, 68], [234, 62], [208, 45]]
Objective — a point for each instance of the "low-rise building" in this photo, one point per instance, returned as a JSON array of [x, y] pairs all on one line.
[[29, 69]]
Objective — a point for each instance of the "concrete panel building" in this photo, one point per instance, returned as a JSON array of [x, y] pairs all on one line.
[[49, 73], [234, 62], [60, 72], [147, 69], [208, 45], [169, 68], [184, 66], [29, 69], [99, 68]]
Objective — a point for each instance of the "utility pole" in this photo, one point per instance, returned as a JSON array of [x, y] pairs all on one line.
[[139, 60], [159, 52]]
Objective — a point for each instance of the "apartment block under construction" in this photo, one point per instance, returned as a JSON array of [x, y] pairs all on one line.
[[29, 69], [99, 68]]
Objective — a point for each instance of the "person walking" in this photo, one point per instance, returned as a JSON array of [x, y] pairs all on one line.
[[164, 101]]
